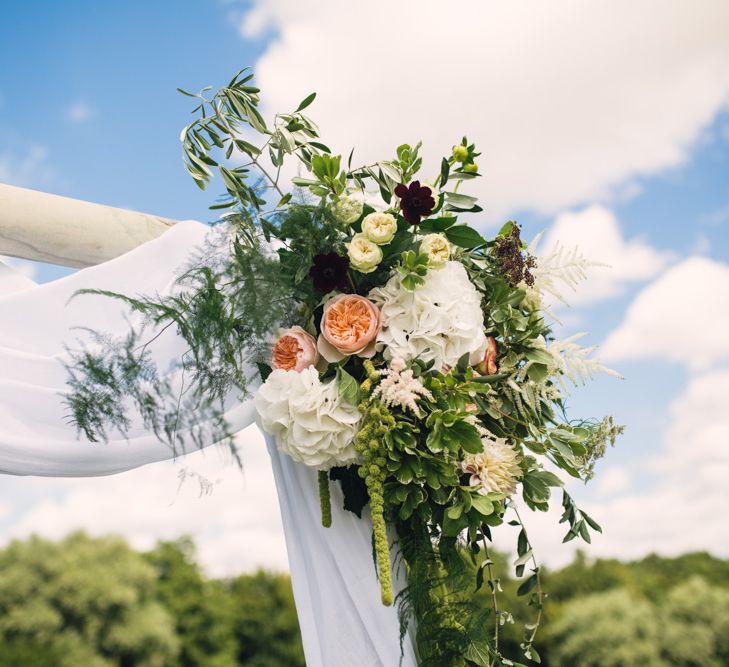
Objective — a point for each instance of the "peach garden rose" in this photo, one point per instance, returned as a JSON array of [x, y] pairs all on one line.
[[349, 325], [294, 350]]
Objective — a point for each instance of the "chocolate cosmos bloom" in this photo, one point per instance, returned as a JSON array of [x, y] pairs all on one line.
[[416, 201], [329, 272]]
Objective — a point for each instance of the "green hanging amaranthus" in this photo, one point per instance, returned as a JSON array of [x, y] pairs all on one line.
[[325, 499], [370, 444]]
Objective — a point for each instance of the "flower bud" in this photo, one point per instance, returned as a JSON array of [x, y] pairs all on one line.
[[460, 152], [488, 365], [347, 209]]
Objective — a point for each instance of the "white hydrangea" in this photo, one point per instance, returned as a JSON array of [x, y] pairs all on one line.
[[440, 320], [308, 418]]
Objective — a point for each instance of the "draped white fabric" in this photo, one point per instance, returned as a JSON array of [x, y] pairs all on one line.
[[342, 621]]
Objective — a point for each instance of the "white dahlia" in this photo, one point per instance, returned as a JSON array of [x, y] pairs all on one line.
[[440, 320], [495, 470], [308, 418]]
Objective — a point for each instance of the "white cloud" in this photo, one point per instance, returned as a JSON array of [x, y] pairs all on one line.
[[80, 112], [596, 232], [237, 527], [612, 480], [685, 509], [717, 217], [27, 168], [683, 317], [568, 101]]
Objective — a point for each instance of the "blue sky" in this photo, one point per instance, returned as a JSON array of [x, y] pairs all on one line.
[[88, 109]]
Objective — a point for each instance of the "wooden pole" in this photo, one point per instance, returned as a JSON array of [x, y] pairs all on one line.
[[48, 228]]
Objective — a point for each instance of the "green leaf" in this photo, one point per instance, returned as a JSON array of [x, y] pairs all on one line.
[[564, 450], [459, 200], [549, 478], [434, 441], [524, 558], [353, 487], [464, 435], [305, 102], [478, 652], [538, 373], [539, 356], [437, 224], [528, 585], [452, 527], [479, 576], [464, 236], [482, 505], [490, 379], [444, 169], [584, 533], [348, 387], [264, 370], [506, 229], [592, 523], [404, 474]]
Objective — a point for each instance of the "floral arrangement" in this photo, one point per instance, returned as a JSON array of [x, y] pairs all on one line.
[[399, 352]]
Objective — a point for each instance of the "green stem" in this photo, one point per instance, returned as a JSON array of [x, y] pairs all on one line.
[[325, 499]]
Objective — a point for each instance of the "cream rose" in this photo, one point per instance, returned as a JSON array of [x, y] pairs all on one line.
[[349, 325], [379, 227], [294, 350], [436, 247], [364, 255], [347, 209]]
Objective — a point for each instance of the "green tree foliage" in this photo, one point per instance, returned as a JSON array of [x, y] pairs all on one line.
[[86, 602], [97, 603], [202, 609], [610, 629], [696, 625], [81, 602], [265, 625]]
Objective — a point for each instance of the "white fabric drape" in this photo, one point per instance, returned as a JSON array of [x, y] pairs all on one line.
[[342, 621]]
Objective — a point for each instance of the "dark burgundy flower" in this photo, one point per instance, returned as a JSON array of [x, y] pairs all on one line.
[[416, 201], [329, 272]]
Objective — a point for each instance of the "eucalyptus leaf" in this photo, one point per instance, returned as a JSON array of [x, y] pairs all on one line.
[[464, 236]]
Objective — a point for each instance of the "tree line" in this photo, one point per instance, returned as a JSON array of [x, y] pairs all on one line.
[[96, 602]]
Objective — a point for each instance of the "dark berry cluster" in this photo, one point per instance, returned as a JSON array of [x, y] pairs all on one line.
[[515, 264]]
